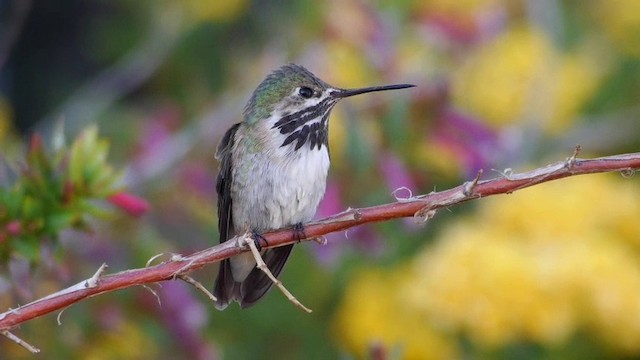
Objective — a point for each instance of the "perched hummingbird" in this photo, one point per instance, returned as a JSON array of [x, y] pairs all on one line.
[[273, 172]]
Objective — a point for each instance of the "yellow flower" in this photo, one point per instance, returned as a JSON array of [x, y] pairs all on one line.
[[217, 11], [578, 77], [497, 81], [443, 159], [338, 137], [540, 265], [520, 76], [370, 316], [570, 209], [621, 22], [348, 67], [125, 342], [463, 6]]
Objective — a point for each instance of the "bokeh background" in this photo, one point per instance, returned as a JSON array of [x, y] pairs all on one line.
[[551, 272]]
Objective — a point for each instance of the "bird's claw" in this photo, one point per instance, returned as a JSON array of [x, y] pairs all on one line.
[[298, 232], [259, 240]]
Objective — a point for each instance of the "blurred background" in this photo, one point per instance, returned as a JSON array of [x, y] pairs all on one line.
[[551, 272]]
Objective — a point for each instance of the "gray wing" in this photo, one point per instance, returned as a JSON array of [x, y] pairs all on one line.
[[257, 283], [224, 287]]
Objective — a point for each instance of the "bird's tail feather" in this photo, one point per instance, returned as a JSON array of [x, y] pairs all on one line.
[[255, 286], [226, 289]]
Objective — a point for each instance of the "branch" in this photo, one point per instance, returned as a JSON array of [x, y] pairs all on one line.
[[423, 206]]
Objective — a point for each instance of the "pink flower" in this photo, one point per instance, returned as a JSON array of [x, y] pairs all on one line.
[[132, 204], [14, 228]]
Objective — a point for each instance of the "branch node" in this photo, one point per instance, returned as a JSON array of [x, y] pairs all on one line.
[[425, 214], [627, 173], [180, 271], [260, 264], [357, 215], [322, 240], [176, 257]]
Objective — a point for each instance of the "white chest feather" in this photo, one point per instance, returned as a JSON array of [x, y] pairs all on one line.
[[276, 186]]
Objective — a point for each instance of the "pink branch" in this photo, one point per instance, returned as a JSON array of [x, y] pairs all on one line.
[[423, 206]]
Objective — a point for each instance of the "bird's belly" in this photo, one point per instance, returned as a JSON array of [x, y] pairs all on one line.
[[284, 191]]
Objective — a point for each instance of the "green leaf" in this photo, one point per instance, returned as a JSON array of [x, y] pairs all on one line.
[[26, 246]]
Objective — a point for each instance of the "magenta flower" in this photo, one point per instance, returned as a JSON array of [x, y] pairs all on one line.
[[131, 204]]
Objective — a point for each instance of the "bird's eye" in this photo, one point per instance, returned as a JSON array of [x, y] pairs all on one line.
[[305, 92]]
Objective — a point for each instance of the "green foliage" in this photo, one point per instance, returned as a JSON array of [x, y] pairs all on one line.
[[53, 192]]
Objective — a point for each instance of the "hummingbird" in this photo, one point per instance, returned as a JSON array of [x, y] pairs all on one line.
[[273, 172]]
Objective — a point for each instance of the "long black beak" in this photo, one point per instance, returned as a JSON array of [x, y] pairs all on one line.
[[342, 93]]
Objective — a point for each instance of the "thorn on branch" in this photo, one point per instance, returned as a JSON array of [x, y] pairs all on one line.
[[350, 214], [93, 281], [571, 161], [469, 186]]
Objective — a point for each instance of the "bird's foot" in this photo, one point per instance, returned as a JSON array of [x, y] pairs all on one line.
[[259, 240], [298, 232]]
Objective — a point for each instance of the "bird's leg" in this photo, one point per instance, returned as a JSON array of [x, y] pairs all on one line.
[[260, 264], [298, 232]]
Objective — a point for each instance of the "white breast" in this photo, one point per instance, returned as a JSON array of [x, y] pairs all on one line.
[[302, 181], [276, 187]]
